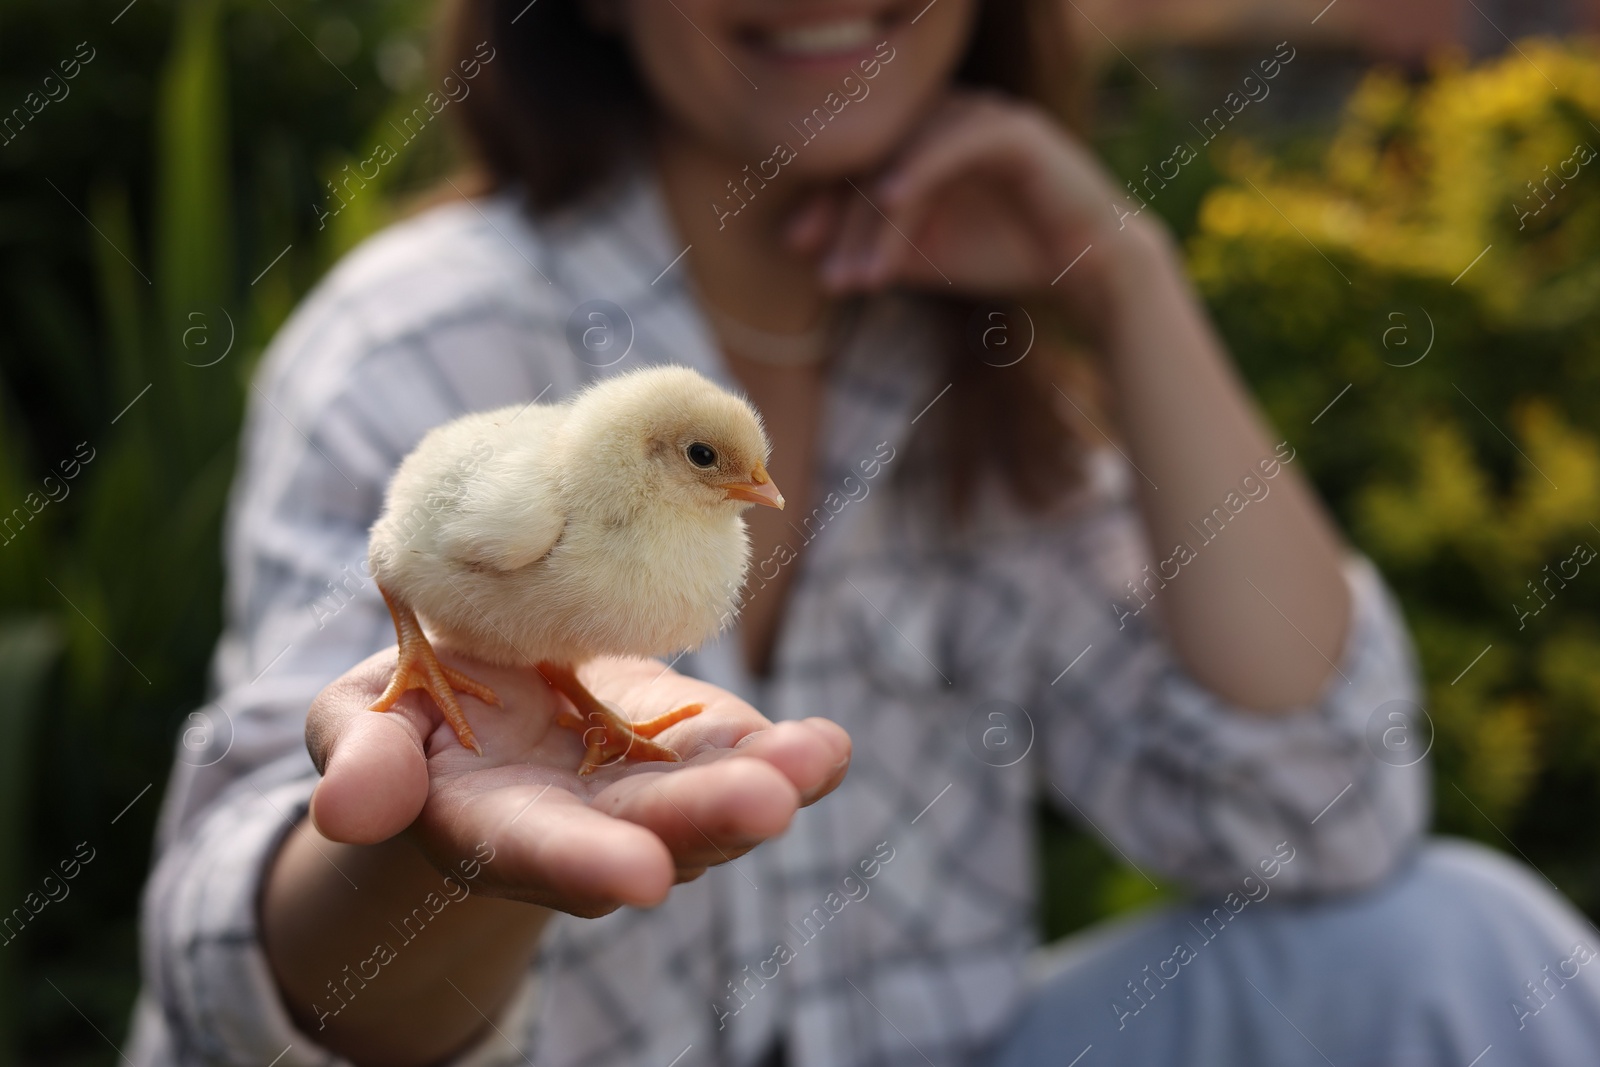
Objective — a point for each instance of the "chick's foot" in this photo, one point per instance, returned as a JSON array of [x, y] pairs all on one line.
[[419, 668], [607, 736]]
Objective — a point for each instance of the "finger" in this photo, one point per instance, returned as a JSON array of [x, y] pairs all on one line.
[[643, 689], [375, 783], [809, 229], [889, 255], [842, 268], [706, 814], [349, 697], [993, 139], [813, 754], [374, 767], [1007, 144], [551, 848], [584, 856]]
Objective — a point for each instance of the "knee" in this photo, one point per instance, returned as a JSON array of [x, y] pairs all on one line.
[[1455, 875], [1456, 903]]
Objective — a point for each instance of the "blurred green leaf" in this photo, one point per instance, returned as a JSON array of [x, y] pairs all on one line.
[[28, 649], [135, 221]]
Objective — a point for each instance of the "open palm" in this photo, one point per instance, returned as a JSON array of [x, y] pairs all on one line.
[[584, 845]]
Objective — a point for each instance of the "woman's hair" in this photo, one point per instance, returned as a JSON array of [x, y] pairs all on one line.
[[561, 106]]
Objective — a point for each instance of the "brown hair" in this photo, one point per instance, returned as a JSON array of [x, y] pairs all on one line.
[[561, 105]]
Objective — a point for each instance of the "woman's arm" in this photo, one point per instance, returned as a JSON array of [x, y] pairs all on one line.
[[1258, 613], [318, 931], [993, 198]]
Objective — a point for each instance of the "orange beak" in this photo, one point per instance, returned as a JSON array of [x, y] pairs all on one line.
[[760, 489]]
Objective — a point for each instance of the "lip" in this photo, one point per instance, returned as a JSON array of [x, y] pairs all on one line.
[[822, 40]]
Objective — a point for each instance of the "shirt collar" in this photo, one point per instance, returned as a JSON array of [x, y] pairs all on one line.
[[620, 245]]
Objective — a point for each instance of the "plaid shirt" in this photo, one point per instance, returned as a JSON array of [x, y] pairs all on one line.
[[976, 671]]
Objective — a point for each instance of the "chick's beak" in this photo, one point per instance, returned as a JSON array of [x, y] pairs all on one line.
[[760, 489]]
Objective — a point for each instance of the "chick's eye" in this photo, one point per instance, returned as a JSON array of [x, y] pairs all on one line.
[[702, 455]]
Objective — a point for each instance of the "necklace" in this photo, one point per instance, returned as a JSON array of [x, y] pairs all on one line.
[[799, 349]]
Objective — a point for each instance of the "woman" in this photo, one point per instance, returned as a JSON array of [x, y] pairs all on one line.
[[809, 201]]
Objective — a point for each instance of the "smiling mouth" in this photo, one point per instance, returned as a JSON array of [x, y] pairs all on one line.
[[836, 38]]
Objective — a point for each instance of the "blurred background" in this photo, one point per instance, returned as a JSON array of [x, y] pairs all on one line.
[[1400, 240]]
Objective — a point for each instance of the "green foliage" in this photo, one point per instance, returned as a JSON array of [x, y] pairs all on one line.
[[28, 648], [1469, 472], [1332, 260], [190, 151]]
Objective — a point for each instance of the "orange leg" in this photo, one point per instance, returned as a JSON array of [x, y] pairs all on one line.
[[419, 668], [607, 736]]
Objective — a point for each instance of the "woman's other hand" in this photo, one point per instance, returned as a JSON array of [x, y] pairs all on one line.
[[988, 197]]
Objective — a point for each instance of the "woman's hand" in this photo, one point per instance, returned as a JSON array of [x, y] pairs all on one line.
[[989, 197], [401, 804], [584, 845]]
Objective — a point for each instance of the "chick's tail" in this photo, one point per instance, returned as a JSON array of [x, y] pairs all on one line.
[[419, 668]]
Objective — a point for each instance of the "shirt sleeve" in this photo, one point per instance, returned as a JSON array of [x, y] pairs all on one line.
[[206, 972], [341, 398], [1187, 786]]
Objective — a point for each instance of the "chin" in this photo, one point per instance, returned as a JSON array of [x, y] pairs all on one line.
[[790, 148], [834, 86], [853, 145]]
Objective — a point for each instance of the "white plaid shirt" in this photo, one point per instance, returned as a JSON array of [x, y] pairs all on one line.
[[909, 635]]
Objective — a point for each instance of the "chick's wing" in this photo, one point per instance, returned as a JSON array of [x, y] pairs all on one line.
[[503, 509]]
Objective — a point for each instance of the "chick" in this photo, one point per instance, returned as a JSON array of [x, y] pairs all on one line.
[[552, 533]]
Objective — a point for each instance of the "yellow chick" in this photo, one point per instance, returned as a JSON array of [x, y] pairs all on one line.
[[610, 524]]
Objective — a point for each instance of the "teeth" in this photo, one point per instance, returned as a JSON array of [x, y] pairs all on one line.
[[823, 38]]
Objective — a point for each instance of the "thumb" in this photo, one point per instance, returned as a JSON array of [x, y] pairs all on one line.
[[374, 784], [374, 767]]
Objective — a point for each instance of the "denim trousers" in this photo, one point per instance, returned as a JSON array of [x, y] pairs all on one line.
[[1462, 958]]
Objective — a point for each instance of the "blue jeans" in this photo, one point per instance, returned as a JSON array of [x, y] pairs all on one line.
[[1463, 957]]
